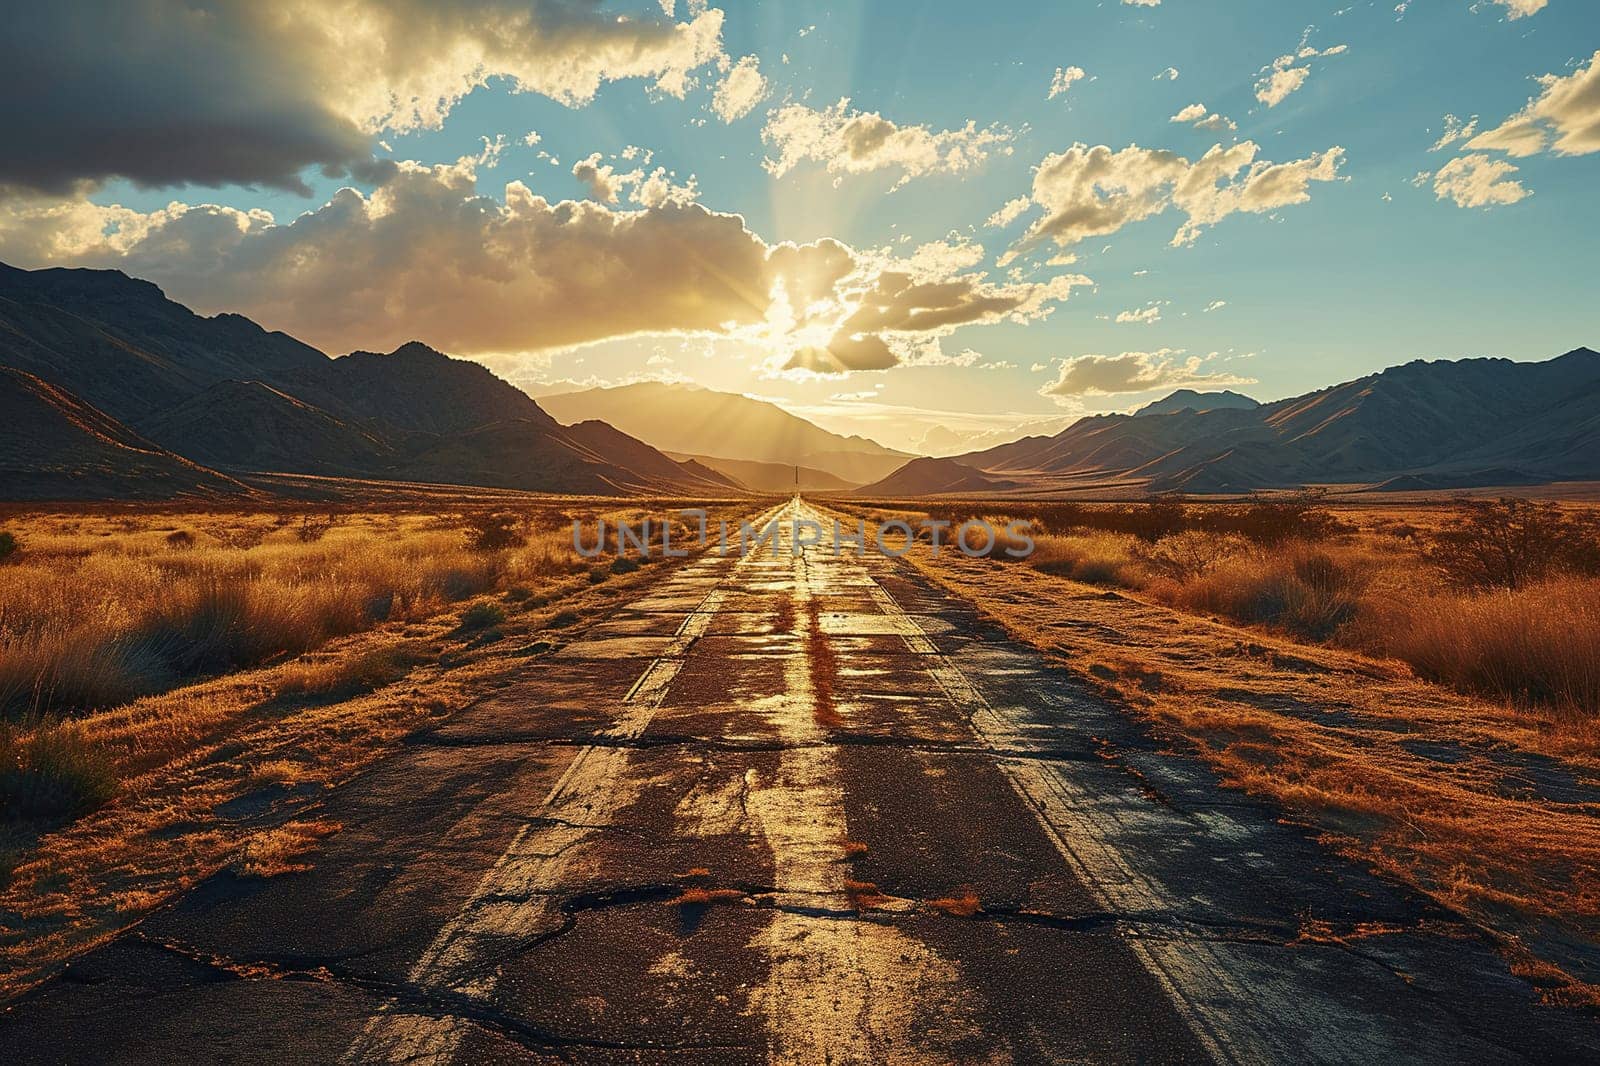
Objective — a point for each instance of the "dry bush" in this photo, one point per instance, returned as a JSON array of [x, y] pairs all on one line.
[[1300, 589], [1511, 543], [52, 771], [496, 531], [313, 528], [1533, 646], [8, 545], [1096, 558], [1192, 553]]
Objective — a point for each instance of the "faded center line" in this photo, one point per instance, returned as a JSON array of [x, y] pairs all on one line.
[[839, 984], [519, 895]]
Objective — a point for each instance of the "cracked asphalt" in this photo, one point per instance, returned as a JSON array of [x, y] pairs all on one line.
[[797, 808]]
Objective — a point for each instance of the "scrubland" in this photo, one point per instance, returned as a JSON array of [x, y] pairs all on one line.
[[1493, 598]]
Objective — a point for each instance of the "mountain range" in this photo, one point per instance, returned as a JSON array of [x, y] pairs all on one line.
[[111, 390], [1445, 424], [689, 420]]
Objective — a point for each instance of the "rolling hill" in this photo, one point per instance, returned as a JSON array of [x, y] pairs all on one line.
[[140, 391], [772, 477], [689, 420]]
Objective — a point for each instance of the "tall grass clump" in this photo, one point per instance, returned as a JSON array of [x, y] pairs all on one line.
[[1300, 589], [51, 771], [1535, 646]]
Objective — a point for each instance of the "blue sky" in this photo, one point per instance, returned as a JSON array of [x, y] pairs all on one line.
[[1373, 261]]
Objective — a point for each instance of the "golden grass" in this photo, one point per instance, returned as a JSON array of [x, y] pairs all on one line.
[[279, 850], [965, 905]]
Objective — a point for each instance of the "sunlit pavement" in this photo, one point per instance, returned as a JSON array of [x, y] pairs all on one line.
[[797, 807]]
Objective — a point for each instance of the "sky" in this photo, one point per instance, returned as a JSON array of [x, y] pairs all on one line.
[[936, 224]]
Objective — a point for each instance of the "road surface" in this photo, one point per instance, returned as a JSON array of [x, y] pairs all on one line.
[[796, 808]]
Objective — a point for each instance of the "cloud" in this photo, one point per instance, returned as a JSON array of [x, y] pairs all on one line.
[[1009, 212], [1195, 115], [425, 257], [166, 92], [1283, 77], [1143, 316], [1478, 180], [429, 256], [859, 142], [1214, 305], [1063, 80], [1455, 130], [1131, 372], [742, 88], [652, 189], [1516, 9], [1142, 3], [1091, 192], [1564, 118], [1170, 74]]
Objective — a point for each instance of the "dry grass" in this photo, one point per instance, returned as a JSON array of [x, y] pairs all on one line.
[[697, 896], [965, 905], [278, 851], [853, 849], [864, 895], [97, 611], [1535, 647]]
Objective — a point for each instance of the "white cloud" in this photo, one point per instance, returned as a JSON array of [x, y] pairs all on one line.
[[1283, 77], [859, 142], [1564, 118], [1142, 3], [742, 88], [1143, 316], [1215, 305], [1088, 192], [1195, 115], [1516, 9], [1132, 372], [1455, 130], [1064, 79], [1009, 212], [1478, 180], [1170, 74]]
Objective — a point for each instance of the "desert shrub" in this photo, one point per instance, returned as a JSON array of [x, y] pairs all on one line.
[[1096, 558], [180, 540], [1300, 589], [52, 771], [481, 616], [1187, 555], [496, 531], [1512, 543], [1534, 646], [8, 545], [620, 565], [313, 528]]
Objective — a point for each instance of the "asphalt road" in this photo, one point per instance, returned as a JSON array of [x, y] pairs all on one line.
[[832, 757]]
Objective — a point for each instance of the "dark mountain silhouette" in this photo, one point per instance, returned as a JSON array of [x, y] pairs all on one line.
[[926, 477], [1461, 423], [690, 420], [773, 477], [165, 382], [1190, 400], [53, 446]]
